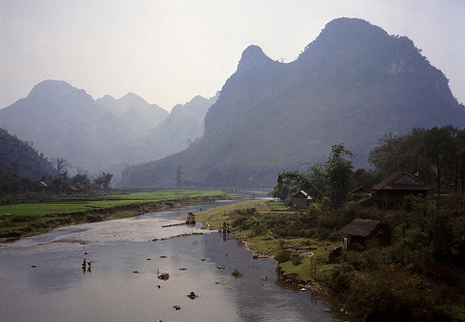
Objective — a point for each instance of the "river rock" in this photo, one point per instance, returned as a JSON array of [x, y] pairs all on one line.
[[192, 295]]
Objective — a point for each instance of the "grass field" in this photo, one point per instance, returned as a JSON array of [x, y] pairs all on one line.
[[68, 204], [23, 219]]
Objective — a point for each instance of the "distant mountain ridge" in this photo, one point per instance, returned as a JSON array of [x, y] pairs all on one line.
[[351, 85], [66, 122], [182, 128]]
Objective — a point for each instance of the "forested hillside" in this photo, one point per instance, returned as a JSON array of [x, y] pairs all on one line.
[[20, 158]]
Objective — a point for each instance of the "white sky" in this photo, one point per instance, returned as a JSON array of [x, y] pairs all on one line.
[[169, 51]]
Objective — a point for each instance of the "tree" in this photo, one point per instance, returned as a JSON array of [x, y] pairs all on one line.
[[339, 173], [103, 180], [461, 158], [57, 182], [364, 178], [401, 153], [439, 149], [303, 181], [106, 180], [319, 180], [61, 166]]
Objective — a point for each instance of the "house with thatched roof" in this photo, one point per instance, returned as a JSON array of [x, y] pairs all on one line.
[[390, 192], [364, 234], [301, 200]]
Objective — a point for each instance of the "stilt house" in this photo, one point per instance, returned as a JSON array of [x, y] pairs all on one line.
[[389, 193]]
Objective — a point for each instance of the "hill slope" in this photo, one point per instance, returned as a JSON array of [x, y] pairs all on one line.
[[20, 157], [352, 85]]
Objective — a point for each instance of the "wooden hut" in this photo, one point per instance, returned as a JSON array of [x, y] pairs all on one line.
[[390, 192], [301, 200], [364, 234]]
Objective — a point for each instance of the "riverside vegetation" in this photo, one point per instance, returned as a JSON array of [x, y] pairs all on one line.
[[419, 278], [34, 215]]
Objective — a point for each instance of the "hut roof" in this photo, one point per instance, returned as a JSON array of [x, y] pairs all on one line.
[[302, 194], [401, 180], [365, 228], [358, 190]]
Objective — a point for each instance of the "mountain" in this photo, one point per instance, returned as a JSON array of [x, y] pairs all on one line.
[[59, 119], [20, 157], [63, 121], [132, 112], [183, 127], [351, 85]]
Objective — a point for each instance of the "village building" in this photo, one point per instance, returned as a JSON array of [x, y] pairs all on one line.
[[389, 193], [71, 188], [357, 194], [301, 200], [364, 234], [39, 186]]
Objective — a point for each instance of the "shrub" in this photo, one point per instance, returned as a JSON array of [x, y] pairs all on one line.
[[296, 259], [283, 256], [341, 278]]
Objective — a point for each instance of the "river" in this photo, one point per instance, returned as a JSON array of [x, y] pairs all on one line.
[[42, 278]]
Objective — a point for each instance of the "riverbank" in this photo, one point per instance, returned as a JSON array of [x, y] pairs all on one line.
[[296, 267], [395, 283], [27, 219], [246, 221]]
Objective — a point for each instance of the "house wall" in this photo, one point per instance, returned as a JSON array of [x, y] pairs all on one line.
[[357, 243], [373, 242], [300, 203], [392, 199]]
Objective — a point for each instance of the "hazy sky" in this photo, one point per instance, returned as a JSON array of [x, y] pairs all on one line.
[[169, 51]]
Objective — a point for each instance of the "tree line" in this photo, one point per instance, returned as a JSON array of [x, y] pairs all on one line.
[[328, 182], [436, 156], [14, 183]]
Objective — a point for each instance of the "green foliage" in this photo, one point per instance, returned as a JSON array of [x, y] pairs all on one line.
[[245, 219], [341, 278], [288, 181], [296, 259], [436, 155], [339, 172], [330, 180], [283, 256]]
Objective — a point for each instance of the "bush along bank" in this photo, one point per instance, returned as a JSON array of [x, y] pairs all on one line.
[[420, 277]]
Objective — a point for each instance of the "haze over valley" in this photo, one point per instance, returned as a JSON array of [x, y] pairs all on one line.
[[353, 84]]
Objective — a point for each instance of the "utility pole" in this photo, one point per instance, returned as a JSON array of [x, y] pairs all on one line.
[[178, 179]]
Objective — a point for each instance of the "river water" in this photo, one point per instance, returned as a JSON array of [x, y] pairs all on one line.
[[42, 278]]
